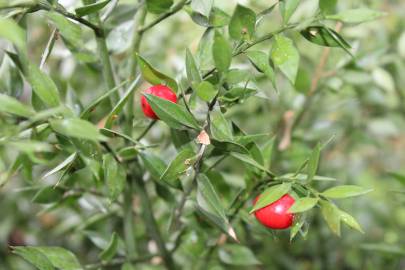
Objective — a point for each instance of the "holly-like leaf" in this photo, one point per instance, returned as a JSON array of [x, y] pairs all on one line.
[[153, 76], [172, 114], [178, 166], [260, 61], [91, 8], [285, 56], [271, 195], [242, 24], [303, 204], [11, 105], [345, 191], [77, 128], [222, 52]]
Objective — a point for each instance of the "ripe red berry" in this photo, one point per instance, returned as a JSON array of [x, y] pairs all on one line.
[[276, 215], [161, 91]]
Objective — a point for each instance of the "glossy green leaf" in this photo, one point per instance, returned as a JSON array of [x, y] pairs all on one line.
[[172, 114], [77, 128], [206, 91], [313, 161], [178, 166], [350, 221], [30, 146], [225, 147], [211, 207], [193, 74], [59, 258], [298, 223], [153, 164], [345, 191], [69, 30], [271, 195], [35, 257], [158, 6], [356, 15], [247, 159], [331, 214], [303, 204], [235, 76], [222, 52], [10, 30], [43, 86], [48, 194], [287, 9], [121, 103], [11, 105], [153, 76], [220, 127], [91, 8], [285, 56], [242, 24], [202, 6], [327, 6], [114, 175], [61, 165], [260, 61], [204, 52], [218, 18], [109, 252], [325, 37], [233, 254]]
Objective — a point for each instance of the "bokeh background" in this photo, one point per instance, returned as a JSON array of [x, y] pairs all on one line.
[[359, 106]]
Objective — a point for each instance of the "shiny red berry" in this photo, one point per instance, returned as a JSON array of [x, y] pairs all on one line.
[[161, 91], [276, 215]]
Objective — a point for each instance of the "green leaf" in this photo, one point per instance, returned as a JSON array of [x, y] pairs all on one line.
[[228, 147], [91, 8], [204, 52], [242, 24], [158, 6], [350, 221], [235, 76], [77, 128], [390, 249], [287, 8], [218, 18], [114, 175], [303, 204], [206, 91], [173, 114], [121, 103], [59, 258], [250, 161], [345, 191], [221, 52], [397, 176], [48, 194], [61, 165], [298, 223], [30, 146], [109, 252], [260, 61], [220, 127], [153, 164], [153, 76], [193, 74], [356, 15], [331, 214], [202, 6], [43, 86], [210, 205], [237, 255], [327, 6], [271, 195], [11, 105], [178, 166], [69, 30], [285, 56], [313, 161], [325, 37], [10, 30], [35, 257]]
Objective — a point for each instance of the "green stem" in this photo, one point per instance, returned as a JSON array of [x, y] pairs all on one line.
[[151, 224]]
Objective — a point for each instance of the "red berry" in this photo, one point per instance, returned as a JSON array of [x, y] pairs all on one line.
[[276, 215], [161, 91]]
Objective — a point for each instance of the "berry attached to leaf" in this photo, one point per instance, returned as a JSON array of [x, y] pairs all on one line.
[[161, 91], [276, 215]]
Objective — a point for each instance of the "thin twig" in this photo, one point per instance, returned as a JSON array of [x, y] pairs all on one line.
[[48, 49]]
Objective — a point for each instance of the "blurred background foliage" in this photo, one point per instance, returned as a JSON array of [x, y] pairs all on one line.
[[359, 104]]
